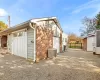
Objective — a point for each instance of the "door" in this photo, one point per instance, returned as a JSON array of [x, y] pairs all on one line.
[[19, 44], [90, 42], [4, 41], [56, 44]]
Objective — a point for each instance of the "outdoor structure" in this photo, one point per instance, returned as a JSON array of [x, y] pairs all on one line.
[[89, 42], [64, 41], [33, 38]]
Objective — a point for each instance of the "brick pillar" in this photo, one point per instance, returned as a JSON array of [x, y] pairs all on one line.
[[61, 42]]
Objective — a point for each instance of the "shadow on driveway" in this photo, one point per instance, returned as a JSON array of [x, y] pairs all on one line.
[[71, 65]]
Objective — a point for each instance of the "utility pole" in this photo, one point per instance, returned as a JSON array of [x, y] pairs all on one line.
[[8, 21]]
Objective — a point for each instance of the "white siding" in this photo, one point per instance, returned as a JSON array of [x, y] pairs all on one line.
[[56, 43], [58, 32], [64, 40], [90, 43], [9, 42], [30, 43]]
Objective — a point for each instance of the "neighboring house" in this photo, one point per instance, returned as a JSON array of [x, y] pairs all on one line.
[[64, 41], [88, 42], [31, 39]]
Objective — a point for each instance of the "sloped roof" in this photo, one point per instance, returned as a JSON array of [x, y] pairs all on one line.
[[48, 18], [26, 23]]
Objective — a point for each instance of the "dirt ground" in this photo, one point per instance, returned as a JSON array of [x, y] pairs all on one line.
[[71, 65]]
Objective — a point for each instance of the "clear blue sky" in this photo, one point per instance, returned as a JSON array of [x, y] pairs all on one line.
[[69, 12]]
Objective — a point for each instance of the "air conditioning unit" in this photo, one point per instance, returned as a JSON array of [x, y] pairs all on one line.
[[52, 52]]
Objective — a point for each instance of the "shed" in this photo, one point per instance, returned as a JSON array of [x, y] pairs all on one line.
[[88, 42]]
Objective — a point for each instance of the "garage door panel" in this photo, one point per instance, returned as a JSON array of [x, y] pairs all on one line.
[[19, 45]]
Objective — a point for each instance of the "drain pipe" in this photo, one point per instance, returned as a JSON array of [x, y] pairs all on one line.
[[34, 28]]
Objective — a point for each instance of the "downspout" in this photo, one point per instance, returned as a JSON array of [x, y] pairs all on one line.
[[34, 28]]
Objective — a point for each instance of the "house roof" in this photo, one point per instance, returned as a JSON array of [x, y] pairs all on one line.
[[26, 23], [14, 28], [46, 19], [89, 35]]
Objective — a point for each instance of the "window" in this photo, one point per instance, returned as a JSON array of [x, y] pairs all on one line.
[[58, 34], [54, 30], [20, 34], [65, 39], [14, 34]]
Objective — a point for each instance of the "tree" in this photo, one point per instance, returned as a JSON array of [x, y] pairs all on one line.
[[73, 38], [98, 21], [89, 26], [3, 26]]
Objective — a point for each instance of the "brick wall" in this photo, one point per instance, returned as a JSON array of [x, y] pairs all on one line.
[[60, 42], [44, 40]]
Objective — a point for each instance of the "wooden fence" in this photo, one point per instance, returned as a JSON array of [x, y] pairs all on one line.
[[75, 45]]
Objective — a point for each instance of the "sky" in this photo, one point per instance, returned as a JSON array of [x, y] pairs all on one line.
[[69, 12]]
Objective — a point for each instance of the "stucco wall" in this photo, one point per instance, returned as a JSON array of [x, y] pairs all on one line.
[[44, 40]]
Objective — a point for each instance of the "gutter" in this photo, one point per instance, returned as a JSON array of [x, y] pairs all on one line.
[[34, 28]]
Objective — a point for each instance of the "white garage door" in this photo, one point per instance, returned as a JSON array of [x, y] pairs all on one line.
[[90, 42], [56, 44], [19, 44]]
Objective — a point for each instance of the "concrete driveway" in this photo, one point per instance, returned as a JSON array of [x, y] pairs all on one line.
[[71, 65]]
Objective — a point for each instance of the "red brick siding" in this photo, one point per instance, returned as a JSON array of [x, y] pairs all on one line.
[[60, 42], [44, 40]]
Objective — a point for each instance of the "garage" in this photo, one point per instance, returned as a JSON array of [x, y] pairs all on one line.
[[19, 43], [32, 39], [90, 42], [56, 44]]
